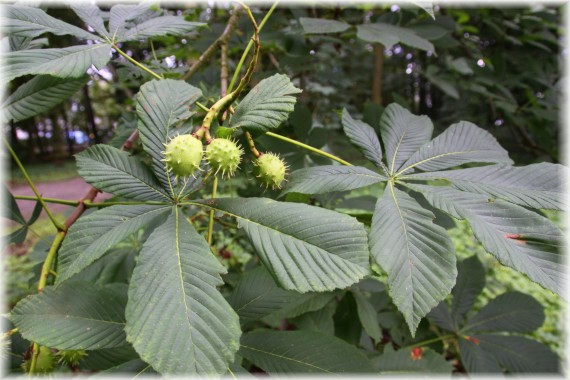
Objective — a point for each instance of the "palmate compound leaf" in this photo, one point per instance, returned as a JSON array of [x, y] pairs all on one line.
[[363, 136], [38, 95], [403, 134], [115, 171], [305, 248], [267, 105], [76, 315], [21, 20], [161, 104], [417, 254], [517, 237], [327, 178], [69, 62], [177, 320], [536, 186], [459, 144], [93, 235], [302, 352]]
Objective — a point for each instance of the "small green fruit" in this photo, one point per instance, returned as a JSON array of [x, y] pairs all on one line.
[[270, 169], [70, 357], [224, 155], [183, 155], [44, 364]]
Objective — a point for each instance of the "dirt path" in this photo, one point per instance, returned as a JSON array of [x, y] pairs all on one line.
[[70, 189]]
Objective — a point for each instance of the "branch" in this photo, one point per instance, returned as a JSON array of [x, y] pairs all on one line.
[[222, 39]]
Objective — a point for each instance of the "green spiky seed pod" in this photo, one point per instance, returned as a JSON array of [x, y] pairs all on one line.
[[183, 155], [44, 364], [270, 169], [224, 155], [70, 357]]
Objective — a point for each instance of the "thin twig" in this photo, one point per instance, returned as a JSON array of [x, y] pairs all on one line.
[[309, 148], [130, 142], [223, 38], [249, 45], [54, 221], [251, 144]]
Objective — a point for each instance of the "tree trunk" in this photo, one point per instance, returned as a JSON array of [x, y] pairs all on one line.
[[90, 116], [57, 136], [66, 124], [377, 75]]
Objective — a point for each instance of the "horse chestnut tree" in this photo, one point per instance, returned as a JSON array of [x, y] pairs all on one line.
[[309, 299]]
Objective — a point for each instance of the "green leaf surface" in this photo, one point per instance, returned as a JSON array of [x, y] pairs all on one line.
[[476, 359], [517, 237], [470, 283], [537, 186], [38, 95], [319, 320], [346, 321], [132, 368], [21, 20], [321, 26], [161, 104], [115, 171], [121, 13], [306, 248], [304, 303], [115, 266], [459, 144], [417, 254], [449, 88], [99, 360], [363, 137], [461, 66], [70, 62], [389, 35], [76, 315], [91, 15], [427, 6], [511, 312], [160, 26], [177, 320], [92, 235], [441, 316], [401, 362], [368, 315], [267, 105], [514, 353], [403, 134], [328, 178], [257, 295], [306, 352], [10, 208]]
